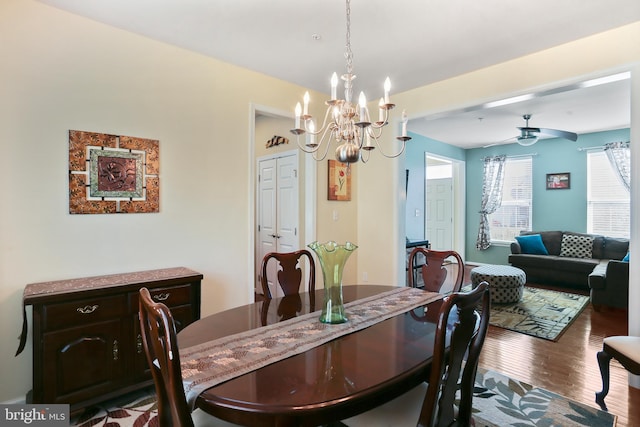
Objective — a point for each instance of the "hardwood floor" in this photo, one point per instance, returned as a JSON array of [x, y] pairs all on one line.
[[568, 367]]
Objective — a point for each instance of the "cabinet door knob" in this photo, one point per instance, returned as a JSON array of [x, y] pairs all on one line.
[[161, 297], [87, 309], [115, 349]]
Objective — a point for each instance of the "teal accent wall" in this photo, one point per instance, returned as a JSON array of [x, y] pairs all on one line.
[[415, 164], [552, 209]]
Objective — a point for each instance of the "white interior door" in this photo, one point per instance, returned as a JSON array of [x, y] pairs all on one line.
[[277, 214], [439, 224]]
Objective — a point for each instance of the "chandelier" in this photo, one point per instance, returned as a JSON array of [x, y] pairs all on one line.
[[347, 123]]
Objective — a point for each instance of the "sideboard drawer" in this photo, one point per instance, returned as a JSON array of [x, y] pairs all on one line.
[[171, 297], [78, 312]]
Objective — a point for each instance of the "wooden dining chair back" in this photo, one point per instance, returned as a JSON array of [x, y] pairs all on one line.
[[438, 268], [455, 360], [289, 272], [160, 344], [462, 324]]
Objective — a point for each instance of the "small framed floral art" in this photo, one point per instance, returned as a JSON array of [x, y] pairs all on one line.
[[339, 181]]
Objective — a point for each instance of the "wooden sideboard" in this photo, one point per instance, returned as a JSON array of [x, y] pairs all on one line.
[[87, 345]]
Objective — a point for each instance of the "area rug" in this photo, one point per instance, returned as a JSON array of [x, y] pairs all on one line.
[[541, 313], [498, 401], [502, 401]]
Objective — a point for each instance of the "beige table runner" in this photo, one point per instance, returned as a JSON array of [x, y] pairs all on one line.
[[211, 363]]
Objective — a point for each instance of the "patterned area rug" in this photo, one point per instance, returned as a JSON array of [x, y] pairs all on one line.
[[501, 401], [542, 313], [498, 401]]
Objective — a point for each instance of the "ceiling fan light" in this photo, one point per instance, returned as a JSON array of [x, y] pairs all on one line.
[[527, 140]]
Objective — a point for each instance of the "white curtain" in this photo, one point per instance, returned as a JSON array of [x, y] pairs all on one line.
[[493, 180], [619, 156]]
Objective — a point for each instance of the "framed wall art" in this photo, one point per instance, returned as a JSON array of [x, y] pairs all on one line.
[[558, 181], [113, 174], [339, 181]]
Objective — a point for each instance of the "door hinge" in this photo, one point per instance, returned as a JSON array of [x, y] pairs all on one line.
[[295, 173], [295, 231], [259, 227]]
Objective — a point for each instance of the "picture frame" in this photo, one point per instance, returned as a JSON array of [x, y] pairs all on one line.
[[339, 185], [558, 181]]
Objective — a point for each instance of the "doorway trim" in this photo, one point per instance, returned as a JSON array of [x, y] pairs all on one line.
[[459, 200], [309, 191]]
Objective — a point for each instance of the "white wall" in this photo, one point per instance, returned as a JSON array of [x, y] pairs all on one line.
[[60, 72]]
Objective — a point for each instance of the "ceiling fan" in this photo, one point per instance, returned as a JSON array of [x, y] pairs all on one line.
[[530, 135]]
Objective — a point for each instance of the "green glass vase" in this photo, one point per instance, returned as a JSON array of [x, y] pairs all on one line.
[[332, 257]]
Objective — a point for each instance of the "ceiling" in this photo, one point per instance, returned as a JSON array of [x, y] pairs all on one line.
[[414, 42]]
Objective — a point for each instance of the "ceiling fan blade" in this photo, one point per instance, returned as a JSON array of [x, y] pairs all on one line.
[[560, 134], [504, 141]]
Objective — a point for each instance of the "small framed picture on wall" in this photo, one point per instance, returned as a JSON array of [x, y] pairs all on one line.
[[558, 181], [339, 181]]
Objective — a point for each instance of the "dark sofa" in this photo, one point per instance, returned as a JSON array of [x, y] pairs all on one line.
[[604, 274], [609, 284]]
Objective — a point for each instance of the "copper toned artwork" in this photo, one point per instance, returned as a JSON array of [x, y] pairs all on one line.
[[112, 174], [116, 174]]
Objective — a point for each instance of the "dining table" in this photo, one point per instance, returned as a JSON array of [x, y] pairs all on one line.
[[328, 382]]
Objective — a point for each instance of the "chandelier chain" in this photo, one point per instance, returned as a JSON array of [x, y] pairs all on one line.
[[348, 54]]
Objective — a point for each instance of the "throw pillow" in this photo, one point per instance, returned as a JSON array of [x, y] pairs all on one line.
[[532, 244], [626, 257], [574, 246]]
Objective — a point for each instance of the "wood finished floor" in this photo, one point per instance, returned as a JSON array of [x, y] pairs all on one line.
[[568, 366]]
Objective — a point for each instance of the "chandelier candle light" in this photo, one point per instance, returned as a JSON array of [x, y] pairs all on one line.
[[349, 124]]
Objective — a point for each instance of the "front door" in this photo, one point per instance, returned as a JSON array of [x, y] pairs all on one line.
[[439, 227]]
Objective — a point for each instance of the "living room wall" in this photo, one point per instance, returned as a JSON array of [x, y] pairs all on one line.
[[552, 210], [415, 164]]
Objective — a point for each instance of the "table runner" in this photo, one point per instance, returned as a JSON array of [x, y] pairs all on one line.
[[208, 364]]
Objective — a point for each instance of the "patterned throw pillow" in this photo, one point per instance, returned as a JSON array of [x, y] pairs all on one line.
[[575, 246]]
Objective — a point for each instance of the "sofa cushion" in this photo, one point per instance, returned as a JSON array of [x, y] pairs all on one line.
[[576, 246], [598, 243], [532, 244], [551, 240], [576, 265], [615, 248]]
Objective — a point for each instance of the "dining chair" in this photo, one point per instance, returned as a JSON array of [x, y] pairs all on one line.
[[161, 348], [625, 350], [460, 335], [436, 268], [289, 271]]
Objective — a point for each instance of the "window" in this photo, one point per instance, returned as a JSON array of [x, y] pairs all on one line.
[[608, 202], [514, 215]]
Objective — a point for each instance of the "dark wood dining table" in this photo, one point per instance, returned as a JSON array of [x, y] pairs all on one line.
[[330, 382]]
